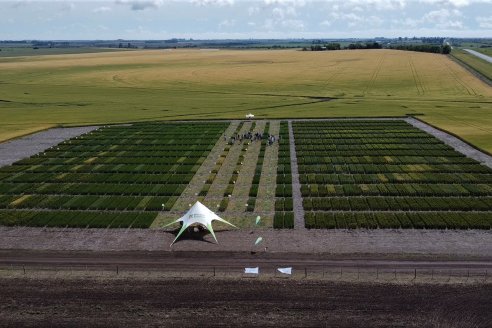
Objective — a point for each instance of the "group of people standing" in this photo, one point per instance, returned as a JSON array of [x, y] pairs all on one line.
[[253, 137]]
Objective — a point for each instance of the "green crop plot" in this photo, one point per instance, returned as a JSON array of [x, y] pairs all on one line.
[[115, 177], [284, 217], [388, 174]]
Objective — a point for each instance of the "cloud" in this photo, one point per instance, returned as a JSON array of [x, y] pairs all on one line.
[[141, 4], [219, 3], [253, 10], [101, 9], [68, 6], [444, 18], [325, 23], [485, 22], [227, 23]]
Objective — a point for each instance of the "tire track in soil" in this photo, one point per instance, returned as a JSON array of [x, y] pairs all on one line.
[[457, 79], [416, 77], [374, 75]]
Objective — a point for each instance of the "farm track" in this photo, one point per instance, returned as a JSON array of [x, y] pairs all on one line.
[[265, 201], [240, 194], [196, 184], [299, 223], [418, 81], [17, 149], [374, 75], [398, 242], [190, 260], [479, 55], [226, 171]]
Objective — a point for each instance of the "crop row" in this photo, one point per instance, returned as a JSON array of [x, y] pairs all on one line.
[[388, 220], [115, 168], [446, 178], [283, 192], [398, 204], [317, 150], [283, 220], [76, 219], [92, 189], [327, 158], [88, 202], [396, 189], [392, 168], [125, 178]]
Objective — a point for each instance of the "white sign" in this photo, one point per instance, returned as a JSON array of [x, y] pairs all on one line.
[[285, 270], [252, 270]]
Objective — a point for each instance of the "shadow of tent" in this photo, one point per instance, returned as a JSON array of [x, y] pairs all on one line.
[[192, 233]]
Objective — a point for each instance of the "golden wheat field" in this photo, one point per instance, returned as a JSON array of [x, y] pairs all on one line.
[[42, 91]]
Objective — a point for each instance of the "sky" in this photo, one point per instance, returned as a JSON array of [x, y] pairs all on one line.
[[242, 19]]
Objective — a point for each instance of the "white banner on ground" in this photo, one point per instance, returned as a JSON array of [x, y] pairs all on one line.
[[285, 270], [252, 270]]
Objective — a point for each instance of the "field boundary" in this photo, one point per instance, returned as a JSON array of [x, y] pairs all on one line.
[[31, 144], [471, 70], [484, 152]]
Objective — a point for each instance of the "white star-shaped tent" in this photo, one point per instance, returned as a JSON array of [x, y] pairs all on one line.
[[201, 215]]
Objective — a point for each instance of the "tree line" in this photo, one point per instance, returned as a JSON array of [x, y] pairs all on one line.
[[432, 48]]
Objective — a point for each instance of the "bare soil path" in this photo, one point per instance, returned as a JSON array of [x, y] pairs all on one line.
[[265, 201], [299, 223], [409, 241], [17, 149]]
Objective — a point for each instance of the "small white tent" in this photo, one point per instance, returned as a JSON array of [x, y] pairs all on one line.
[[198, 214], [249, 116]]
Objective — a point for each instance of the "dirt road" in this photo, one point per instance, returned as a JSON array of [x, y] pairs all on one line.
[[238, 303], [190, 261]]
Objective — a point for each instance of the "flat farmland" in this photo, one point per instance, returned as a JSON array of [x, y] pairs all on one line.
[[114, 87], [115, 176], [371, 174], [388, 174]]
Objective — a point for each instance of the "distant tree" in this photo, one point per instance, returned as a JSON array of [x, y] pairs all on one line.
[[446, 49]]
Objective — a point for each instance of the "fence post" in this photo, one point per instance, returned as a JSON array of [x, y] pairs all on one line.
[[305, 272], [377, 273], [432, 274], [414, 274], [24, 269], [214, 271], [358, 273], [395, 274], [340, 272], [117, 270]]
